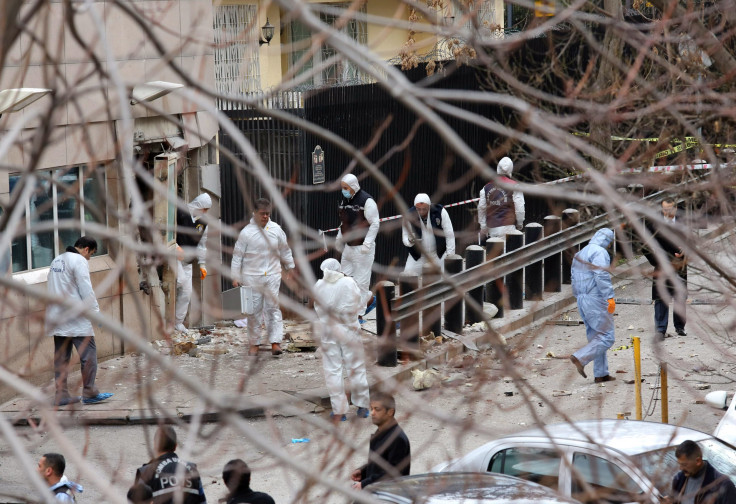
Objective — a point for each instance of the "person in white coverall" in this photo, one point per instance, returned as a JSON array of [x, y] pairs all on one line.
[[356, 238], [591, 285], [258, 256], [337, 303], [69, 280], [191, 241], [498, 211], [429, 225]]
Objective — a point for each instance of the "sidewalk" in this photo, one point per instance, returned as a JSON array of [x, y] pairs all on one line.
[[288, 385]]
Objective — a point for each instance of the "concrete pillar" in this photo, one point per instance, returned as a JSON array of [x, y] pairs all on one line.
[[553, 264], [515, 280], [570, 218], [409, 331], [454, 316], [474, 255], [386, 328], [495, 289], [533, 272], [432, 315]]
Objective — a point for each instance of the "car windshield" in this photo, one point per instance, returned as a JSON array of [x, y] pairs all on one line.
[[661, 465]]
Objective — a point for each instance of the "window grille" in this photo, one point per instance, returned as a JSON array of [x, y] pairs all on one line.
[[334, 69], [237, 68], [56, 203]]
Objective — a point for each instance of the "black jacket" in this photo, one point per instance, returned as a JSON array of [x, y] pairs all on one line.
[[716, 488], [435, 223], [353, 223], [161, 475], [248, 496], [391, 445]]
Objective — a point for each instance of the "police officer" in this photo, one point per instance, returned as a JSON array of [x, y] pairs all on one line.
[[51, 468], [168, 476], [498, 210], [356, 239], [431, 226]]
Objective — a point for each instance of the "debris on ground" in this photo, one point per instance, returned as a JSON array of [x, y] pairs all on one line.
[[424, 379]]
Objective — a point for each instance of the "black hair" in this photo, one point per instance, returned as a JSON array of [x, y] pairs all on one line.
[[236, 475], [689, 449], [669, 199], [85, 242], [56, 462], [387, 400], [165, 439]]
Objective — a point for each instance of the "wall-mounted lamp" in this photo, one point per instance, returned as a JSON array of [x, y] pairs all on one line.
[[267, 33], [12, 100], [149, 91]]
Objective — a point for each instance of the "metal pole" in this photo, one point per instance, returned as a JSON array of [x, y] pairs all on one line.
[[533, 272], [474, 256], [553, 264], [454, 308], [570, 218], [665, 394], [409, 331], [515, 280], [637, 375], [431, 316], [495, 289], [385, 327]]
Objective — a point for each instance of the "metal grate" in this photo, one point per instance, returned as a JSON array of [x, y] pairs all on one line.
[[237, 68]]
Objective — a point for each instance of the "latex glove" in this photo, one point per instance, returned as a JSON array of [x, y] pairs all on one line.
[[202, 272], [179, 253], [611, 305], [519, 227], [365, 249]]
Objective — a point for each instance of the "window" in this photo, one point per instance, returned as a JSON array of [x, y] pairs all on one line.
[[56, 214], [609, 481], [334, 69], [237, 69], [540, 465]]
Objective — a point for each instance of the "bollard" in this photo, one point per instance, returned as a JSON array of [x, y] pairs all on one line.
[[533, 272], [552, 264], [385, 327], [432, 315], [409, 331], [570, 218], [637, 375], [454, 320], [515, 280], [474, 255], [495, 289], [665, 392]]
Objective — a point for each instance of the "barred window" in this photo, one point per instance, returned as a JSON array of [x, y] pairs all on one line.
[[62, 203], [237, 68], [334, 69]]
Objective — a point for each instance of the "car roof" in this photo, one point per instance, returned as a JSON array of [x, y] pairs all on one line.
[[467, 488], [631, 437]]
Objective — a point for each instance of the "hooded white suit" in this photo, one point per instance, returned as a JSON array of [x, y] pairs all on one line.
[[338, 300], [184, 268], [505, 168]]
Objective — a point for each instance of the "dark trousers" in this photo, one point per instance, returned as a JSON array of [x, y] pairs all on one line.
[[662, 309], [87, 351]]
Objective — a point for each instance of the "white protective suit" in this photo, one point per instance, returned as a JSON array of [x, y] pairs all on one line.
[[357, 261], [184, 268], [69, 279], [429, 242], [505, 168], [257, 259], [337, 303]]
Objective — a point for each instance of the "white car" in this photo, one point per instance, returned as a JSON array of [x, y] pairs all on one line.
[[464, 488], [596, 461]]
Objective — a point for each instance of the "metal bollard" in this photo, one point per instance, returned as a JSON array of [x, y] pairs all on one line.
[[432, 315], [409, 331], [385, 326], [515, 280], [570, 218], [552, 264], [533, 272], [495, 289], [474, 255], [664, 392], [454, 307]]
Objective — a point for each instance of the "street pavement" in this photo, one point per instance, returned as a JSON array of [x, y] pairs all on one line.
[[480, 395]]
